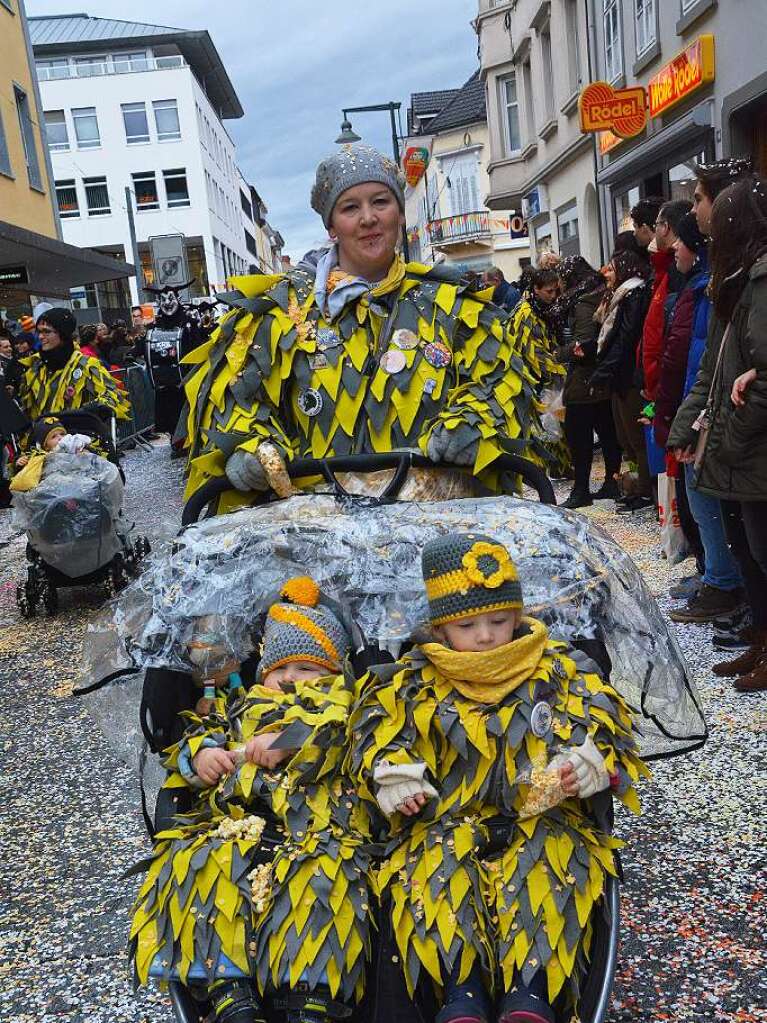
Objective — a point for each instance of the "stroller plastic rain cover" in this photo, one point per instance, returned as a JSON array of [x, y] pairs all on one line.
[[574, 577], [70, 517]]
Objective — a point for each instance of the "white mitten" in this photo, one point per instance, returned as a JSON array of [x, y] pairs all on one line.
[[398, 782], [74, 443], [245, 472], [589, 766]]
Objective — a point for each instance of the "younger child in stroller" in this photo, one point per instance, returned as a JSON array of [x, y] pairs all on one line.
[[67, 496]]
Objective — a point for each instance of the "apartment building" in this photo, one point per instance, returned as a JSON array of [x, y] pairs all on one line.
[[446, 212], [702, 64], [34, 262], [263, 243], [534, 61], [142, 108]]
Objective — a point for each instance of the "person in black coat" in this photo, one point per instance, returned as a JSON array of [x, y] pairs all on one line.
[[621, 314]]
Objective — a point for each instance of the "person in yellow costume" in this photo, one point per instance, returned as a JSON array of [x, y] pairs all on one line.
[[222, 910], [354, 351], [60, 377], [491, 719]]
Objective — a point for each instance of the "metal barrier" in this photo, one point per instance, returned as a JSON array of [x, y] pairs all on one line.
[[141, 394]]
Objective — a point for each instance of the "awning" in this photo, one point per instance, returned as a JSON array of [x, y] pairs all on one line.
[[34, 263]]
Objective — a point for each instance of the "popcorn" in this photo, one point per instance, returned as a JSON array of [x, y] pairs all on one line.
[[260, 879], [248, 828]]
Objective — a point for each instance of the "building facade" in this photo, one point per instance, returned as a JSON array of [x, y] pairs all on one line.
[[135, 115], [446, 211], [534, 60], [702, 64]]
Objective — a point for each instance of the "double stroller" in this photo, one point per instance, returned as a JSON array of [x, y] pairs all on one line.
[[73, 519]]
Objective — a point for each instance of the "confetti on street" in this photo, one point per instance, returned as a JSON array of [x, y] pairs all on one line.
[[694, 910]]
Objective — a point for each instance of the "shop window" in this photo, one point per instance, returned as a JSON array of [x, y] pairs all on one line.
[[66, 197], [86, 67], [97, 197], [624, 201], [613, 44], [176, 189], [28, 138], [543, 241], [136, 123], [572, 28], [644, 20], [682, 177], [195, 259], [147, 269], [86, 127], [567, 229], [166, 120], [5, 156], [56, 130], [48, 70], [145, 190], [124, 62]]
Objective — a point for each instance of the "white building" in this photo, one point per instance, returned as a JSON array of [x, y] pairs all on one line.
[[143, 107]]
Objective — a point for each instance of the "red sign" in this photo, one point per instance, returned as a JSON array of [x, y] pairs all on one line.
[[692, 68], [415, 162], [621, 111]]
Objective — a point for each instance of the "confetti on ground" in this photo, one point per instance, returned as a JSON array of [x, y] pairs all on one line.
[[694, 905]]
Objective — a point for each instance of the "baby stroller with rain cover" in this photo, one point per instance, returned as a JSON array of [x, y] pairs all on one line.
[[75, 536], [367, 551]]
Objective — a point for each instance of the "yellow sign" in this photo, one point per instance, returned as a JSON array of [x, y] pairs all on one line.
[[607, 140], [621, 111], [688, 71]]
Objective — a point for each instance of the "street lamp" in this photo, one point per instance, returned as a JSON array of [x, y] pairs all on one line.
[[348, 134]]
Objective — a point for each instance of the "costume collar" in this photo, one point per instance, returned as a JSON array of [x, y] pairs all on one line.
[[334, 289], [490, 675]]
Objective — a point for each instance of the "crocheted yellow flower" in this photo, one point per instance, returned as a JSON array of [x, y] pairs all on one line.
[[504, 569], [301, 589]]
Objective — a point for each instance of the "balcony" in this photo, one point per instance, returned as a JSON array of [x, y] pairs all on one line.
[[461, 229], [55, 70]]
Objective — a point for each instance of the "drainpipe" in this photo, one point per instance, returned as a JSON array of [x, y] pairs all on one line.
[[591, 49]]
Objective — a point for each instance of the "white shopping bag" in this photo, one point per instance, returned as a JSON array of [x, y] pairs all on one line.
[[673, 540]]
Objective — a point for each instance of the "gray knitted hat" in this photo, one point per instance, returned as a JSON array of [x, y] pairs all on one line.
[[300, 630], [353, 165], [466, 574]]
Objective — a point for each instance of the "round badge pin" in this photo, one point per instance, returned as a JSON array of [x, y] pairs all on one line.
[[310, 402], [77, 374], [541, 719], [405, 339], [393, 361], [437, 355]]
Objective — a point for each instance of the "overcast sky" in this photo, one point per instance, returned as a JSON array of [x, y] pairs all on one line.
[[296, 63]]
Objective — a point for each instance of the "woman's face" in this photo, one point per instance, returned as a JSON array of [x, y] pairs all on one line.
[[102, 331], [6, 348], [610, 275], [49, 338], [366, 223]]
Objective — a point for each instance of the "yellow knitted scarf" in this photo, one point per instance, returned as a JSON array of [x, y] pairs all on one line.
[[487, 676]]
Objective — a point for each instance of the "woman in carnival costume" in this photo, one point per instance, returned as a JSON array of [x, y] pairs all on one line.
[[491, 719], [61, 377], [354, 351], [222, 908]]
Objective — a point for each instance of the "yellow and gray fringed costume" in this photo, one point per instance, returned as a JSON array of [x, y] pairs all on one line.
[[417, 350], [81, 381], [213, 890], [468, 718]]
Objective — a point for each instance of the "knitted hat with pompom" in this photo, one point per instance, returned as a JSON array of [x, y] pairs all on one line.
[[299, 629]]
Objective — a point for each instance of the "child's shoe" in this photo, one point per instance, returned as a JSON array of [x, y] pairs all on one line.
[[234, 1001], [465, 1003], [315, 1006], [523, 1006]]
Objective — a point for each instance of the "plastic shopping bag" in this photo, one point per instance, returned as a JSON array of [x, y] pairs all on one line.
[[673, 540], [545, 784], [552, 413]]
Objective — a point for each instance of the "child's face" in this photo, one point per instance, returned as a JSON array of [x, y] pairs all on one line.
[[53, 438], [484, 631], [295, 671]]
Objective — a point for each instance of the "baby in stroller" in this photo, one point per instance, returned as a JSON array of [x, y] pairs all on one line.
[[67, 496]]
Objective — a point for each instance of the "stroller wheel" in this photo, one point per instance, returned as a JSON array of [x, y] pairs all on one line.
[[50, 599]]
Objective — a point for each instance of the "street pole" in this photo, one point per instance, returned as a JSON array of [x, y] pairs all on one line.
[[134, 246]]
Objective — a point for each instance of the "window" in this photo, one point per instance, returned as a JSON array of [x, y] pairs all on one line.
[[687, 5], [86, 127], [510, 114], [145, 188], [548, 73], [567, 229], [8, 4], [130, 62], [172, 60], [5, 156], [247, 209], [250, 244], [56, 130], [135, 121], [624, 202], [97, 197], [28, 138], [166, 120], [51, 69], [86, 67], [527, 88], [572, 28], [644, 16], [176, 188], [613, 51], [463, 182], [66, 197]]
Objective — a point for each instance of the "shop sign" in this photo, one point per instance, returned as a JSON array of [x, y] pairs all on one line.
[[621, 111], [14, 275], [688, 71], [607, 140], [414, 163]]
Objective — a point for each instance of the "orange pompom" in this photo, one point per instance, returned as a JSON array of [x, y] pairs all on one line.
[[303, 590]]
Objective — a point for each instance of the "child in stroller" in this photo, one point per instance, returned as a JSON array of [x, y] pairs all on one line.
[[68, 498]]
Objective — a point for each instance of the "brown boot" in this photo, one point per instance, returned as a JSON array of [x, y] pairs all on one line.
[[747, 661], [755, 681]]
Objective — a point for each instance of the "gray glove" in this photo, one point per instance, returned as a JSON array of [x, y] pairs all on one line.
[[457, 446], [245, 472]]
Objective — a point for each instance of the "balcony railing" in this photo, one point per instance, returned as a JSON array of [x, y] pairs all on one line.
[[108, 66], [463, 227]]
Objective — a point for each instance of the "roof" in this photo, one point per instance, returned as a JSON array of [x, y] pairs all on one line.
[[466, 107], [80, 33], [427, 103]]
